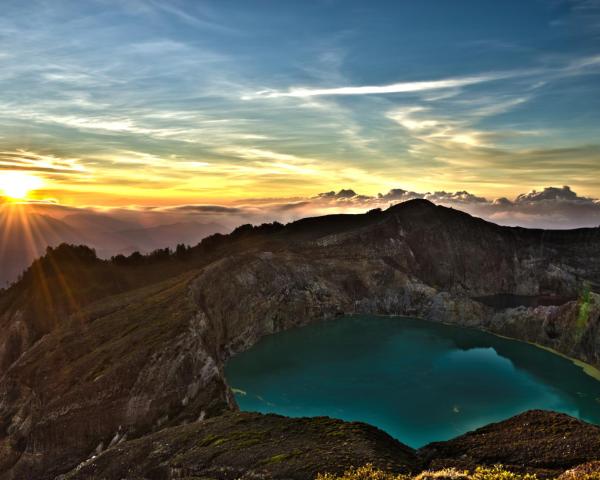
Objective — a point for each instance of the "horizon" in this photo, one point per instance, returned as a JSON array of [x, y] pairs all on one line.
[[35, 244]]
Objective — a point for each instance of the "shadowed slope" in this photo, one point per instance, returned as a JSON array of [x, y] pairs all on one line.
[[250, 445], [534, 439]]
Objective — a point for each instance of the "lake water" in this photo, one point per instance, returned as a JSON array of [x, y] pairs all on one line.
[[419, 381]]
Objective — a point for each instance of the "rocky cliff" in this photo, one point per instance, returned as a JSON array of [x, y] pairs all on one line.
[[90, 362]]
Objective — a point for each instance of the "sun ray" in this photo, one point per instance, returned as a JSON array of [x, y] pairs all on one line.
[[18, 185]]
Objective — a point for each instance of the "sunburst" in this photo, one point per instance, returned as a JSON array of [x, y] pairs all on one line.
[[18, 185]]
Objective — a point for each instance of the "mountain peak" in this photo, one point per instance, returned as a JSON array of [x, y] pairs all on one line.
[[414, 203]]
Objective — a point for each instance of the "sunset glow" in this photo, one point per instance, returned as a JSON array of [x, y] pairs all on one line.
[[148, 105], [17, 185]]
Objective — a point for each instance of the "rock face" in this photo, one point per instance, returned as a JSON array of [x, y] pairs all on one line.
[[77, 375], [417, 260], [110, 374]]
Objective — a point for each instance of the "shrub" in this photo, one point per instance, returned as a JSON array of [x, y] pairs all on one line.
[[497, 472], [586, 471], [444, 474], [368, 472]]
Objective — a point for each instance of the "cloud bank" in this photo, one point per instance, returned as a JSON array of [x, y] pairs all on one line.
[[549, 207], [35, 225]]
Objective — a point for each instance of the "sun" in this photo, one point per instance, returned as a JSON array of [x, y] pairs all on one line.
[[18, 185]]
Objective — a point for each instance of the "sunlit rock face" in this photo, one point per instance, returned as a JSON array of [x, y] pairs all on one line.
[[135, 348]]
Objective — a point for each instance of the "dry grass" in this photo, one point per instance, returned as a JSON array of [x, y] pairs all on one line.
[[369, 472]]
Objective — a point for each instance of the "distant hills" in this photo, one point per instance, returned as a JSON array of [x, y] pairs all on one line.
[[26, 234]]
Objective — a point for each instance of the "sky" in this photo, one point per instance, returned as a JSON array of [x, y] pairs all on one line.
[[203, 106]]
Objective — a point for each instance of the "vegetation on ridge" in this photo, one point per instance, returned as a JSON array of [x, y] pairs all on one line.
[[497, 472], [583, 315]]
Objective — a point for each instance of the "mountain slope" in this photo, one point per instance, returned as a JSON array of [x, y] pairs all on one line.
[[100, 350], [249, 445], [26, 235]]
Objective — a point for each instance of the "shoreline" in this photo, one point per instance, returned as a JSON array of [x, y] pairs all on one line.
[[588, 369]]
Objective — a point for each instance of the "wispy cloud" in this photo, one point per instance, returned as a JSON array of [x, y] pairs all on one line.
[[571, 67], [35, 162], [401, 87], [191, 18], [426, 124]]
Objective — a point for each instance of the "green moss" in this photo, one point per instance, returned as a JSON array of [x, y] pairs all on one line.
[[211, 440], [282, 457], [238, 440], [247, 443], [583, 314], [245, 439]]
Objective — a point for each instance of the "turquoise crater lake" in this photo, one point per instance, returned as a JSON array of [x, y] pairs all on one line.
[[419, 381]]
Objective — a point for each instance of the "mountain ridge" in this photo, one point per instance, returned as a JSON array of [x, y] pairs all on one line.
[[98, 349], [31, 233]]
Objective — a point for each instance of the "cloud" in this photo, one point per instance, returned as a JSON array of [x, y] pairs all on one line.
[[583, 16], [427, 125], [551, 207], [401, 87], [551, 194], [571, 67], [151, 111], [556, 207], [292, 206], [190, 18], [204, 209], [462, 197], [24, 160], [344, 193], [399, 195]]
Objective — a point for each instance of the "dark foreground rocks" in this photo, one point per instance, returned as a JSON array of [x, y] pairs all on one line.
[[537, 441], [250, 445], [586, 471]]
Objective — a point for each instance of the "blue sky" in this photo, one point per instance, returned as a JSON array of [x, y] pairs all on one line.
[[166, 102]]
